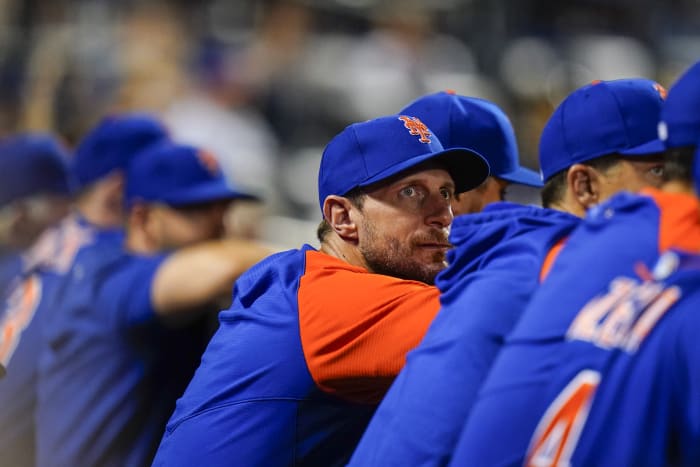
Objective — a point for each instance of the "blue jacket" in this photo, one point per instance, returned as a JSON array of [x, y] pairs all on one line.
[[590, 336], [494, 269]]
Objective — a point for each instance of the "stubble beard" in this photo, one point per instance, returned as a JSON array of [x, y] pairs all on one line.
[[394, 259]]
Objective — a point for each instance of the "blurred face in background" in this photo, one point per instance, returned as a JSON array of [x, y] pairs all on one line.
[[470, 202], [170, 228], [23, 221]]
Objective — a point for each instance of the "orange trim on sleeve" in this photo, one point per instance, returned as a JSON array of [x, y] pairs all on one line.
[[552, 255], [679, 223], [356, 327]]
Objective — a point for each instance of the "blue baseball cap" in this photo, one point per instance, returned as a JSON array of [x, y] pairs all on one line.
[[112, 143], [680, 114], [368, 152], [478, 124], [178, 175], [31, 164], [602, 118]]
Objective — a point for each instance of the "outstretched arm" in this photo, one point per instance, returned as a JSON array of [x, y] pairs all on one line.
[[201, 274]]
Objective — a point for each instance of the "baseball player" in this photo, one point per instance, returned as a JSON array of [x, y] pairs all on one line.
[[315, 337], [461, 121], [124, 339], [586, 378], [495, 267], [35, 191], [34, 194]]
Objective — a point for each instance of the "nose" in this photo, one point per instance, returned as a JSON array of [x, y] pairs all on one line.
[[439, 211]]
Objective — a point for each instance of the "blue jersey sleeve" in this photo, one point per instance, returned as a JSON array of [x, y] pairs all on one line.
[[127, 291]]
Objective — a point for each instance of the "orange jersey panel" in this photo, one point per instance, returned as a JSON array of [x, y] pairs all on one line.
[[679, 225], [356, 327]]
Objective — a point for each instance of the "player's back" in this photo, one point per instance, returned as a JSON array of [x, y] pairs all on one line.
[[62, 358], [25, 308], [621, 238], [620, 392]]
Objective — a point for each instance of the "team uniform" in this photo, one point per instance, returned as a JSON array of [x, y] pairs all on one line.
[[19, 353], [11, 266], [109, 373], [24, 309], [494, 268], [545, 376], [298, 364]]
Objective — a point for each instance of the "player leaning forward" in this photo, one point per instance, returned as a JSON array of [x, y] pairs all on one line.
[[315, 337]]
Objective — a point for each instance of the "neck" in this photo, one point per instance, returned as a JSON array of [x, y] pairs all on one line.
[[570, 206], [335, 246]]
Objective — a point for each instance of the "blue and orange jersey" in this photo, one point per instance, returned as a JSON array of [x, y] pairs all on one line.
[[541, 385], [494, 269], [25, 307], [298, 364]]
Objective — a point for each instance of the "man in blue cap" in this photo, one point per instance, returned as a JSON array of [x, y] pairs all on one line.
[[495, 267], [600, 369], [34, 194], [129, 324], [463, 121], [315, 337]]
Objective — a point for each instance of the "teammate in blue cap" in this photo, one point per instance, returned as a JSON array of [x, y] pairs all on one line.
[[495, 267], [600, 370], [34, 195], [315, 337], [463, 121], [124, 338]]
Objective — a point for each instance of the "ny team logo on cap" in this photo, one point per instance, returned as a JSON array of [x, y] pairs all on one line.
[[208, 161], [416, 128]]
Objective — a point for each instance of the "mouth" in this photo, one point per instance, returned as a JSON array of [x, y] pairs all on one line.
[[435, 246]]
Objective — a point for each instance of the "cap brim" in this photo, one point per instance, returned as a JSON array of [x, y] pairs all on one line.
[[208, 193], [650, 148], [468, 168], [522, 176]]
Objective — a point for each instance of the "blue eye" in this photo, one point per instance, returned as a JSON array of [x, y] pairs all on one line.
[[408, 191]]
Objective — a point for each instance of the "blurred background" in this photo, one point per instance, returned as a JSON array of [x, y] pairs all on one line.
[[264, 85]]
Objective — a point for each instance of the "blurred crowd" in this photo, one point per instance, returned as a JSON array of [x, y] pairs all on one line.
[[264, 84]]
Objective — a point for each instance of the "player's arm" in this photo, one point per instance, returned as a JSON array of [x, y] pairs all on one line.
[[201, 274]]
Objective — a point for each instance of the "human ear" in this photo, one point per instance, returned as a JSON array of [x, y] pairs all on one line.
[[338, 212], [584, 184]]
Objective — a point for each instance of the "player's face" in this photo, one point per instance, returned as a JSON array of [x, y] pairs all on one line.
[[632, 174], [404, 225], [491, 191], [179, 227]]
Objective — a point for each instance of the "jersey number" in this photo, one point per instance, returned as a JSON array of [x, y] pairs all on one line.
[[559, 429], [21, 305]]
